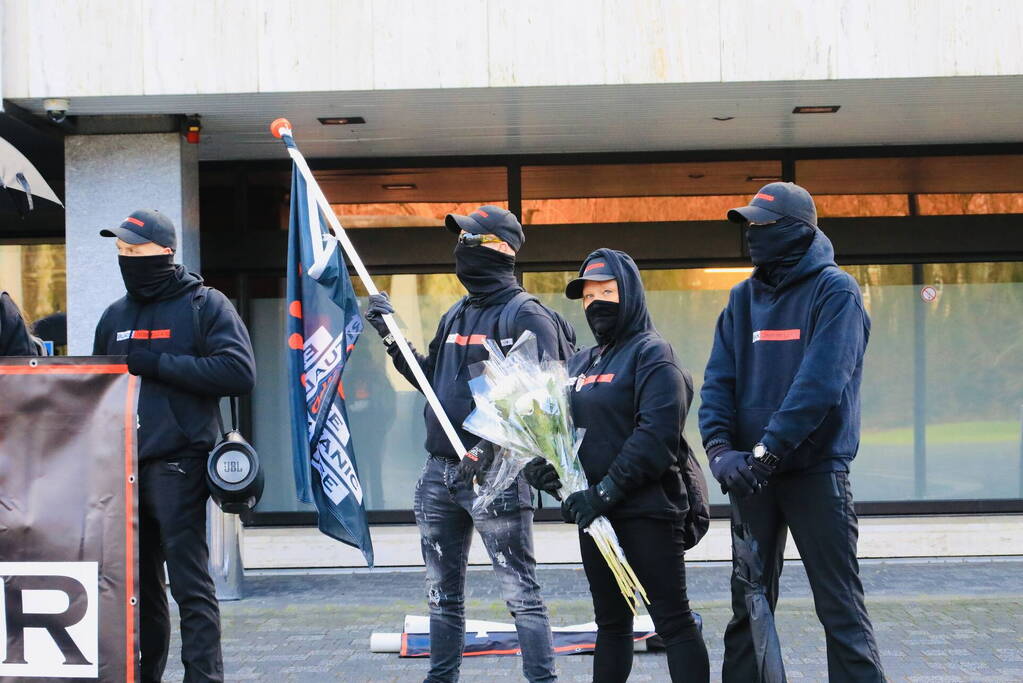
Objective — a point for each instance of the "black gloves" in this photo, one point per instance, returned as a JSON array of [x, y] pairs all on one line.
[[476, 462], [143, 363], [733, 472], [542, 476], [583, 507], [379, 304], [762, 471]]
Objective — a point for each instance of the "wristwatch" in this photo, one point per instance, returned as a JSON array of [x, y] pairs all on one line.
[[761, 454]]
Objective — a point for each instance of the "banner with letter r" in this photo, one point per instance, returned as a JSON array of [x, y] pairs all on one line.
[[68, 519]]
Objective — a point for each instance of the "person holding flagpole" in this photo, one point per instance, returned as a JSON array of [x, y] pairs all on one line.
[[489, 239]]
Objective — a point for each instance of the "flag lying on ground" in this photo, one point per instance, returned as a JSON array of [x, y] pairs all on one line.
[[323, 324]]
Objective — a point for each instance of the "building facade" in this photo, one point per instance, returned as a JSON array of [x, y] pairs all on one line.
[[633, 125]]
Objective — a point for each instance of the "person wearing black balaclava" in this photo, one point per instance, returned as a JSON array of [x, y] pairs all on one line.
[[190, 347], [485, 265], [780, 419], [631, 396]]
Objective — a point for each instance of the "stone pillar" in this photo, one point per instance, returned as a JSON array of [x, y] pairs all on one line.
[[107, 177]]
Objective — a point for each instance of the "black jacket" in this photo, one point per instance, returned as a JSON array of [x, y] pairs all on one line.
[[177, 410], [457, 345], [14, 339], [632, 397], [786, 366]]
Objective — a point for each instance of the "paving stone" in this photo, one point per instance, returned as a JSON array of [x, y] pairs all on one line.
[[935, 621]]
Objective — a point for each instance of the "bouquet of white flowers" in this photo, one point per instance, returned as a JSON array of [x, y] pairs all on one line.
[[522, 406]]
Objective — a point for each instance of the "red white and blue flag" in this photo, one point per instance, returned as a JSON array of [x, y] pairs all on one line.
[[323, 324]]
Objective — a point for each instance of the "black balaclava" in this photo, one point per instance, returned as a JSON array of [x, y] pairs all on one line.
[[602, 317], [147, 277], [777, 247], [484, 271]]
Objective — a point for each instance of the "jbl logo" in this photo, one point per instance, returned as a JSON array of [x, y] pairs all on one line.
[[50, 623]]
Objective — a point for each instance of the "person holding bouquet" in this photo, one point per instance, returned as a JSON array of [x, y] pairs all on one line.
[[631, 395]]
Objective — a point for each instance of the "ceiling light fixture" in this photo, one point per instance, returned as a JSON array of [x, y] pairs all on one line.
[[825, 109], [399, 186], [723, 118], [762, 178], [340, 120]]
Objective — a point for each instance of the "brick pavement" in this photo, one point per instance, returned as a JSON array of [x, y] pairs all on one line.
[[935, 621]]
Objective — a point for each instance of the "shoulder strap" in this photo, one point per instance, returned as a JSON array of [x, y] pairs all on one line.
[[198, 301], [506, 321]]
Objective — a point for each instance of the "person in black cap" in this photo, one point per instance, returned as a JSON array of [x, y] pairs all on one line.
[[14, 336], [780, 423], [631, 396], [190, 347], [488, 240]]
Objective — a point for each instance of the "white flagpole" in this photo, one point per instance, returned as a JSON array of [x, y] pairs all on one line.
[[282, 127]]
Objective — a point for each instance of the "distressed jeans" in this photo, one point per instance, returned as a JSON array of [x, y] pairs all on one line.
[[443, 507]]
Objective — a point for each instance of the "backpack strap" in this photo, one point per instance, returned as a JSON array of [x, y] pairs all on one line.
[[506, 321], [198, 301]]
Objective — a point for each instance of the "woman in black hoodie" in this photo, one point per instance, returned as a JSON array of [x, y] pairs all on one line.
[[631, 395]]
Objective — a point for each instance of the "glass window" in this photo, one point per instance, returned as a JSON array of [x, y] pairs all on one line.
[[35, 276], [974, 203], [639, 193], [947, 369], [385, 412]]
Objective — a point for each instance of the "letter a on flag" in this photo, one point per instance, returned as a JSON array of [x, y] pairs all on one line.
[[322, 325]]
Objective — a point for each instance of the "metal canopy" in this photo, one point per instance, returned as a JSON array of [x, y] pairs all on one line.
[[600, 118]]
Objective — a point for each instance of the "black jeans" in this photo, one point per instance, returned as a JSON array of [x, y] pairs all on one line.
[[172, 528], [818, 508], [655, 549]]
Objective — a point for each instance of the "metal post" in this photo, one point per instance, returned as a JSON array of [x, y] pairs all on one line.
[[919, 388], [223, 534]]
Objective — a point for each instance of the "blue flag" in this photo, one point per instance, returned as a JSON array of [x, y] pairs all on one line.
[[323, 324]]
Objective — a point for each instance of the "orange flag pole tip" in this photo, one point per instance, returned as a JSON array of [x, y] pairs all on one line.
[[279, 126]]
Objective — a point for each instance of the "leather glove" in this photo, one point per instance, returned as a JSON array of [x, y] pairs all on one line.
[[476, 463], [760, 470], [585, 506], [143, 363], [542, 476], [733, 472], [379, 304]]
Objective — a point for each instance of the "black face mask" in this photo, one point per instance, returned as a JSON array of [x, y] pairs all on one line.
[[483, 270], [603, 319], [145, 277], [784, 242]]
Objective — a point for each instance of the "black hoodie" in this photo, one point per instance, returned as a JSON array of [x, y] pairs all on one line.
[[14, 339], [458, 344], [786, 365], [177, 410], [632, 397]]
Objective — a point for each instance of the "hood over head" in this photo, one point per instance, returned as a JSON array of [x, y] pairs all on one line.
[[633, 316], [819, 255]]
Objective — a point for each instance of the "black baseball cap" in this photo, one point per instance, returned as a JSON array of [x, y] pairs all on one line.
[[597, 269], [145, 225], [489, 220], [776, 201]]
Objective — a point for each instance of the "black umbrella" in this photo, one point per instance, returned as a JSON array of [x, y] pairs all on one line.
[[749, 571]]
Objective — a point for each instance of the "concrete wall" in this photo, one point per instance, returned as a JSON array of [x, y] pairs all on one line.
[[108, 177], [77, 48]]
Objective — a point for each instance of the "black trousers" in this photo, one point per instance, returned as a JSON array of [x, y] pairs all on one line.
[[655, 549], [172, 528], [818, 509]]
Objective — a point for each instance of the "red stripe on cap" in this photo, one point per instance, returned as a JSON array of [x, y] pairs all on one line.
[[483, 213], [136, 221], [761, 195], [594, 265]]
